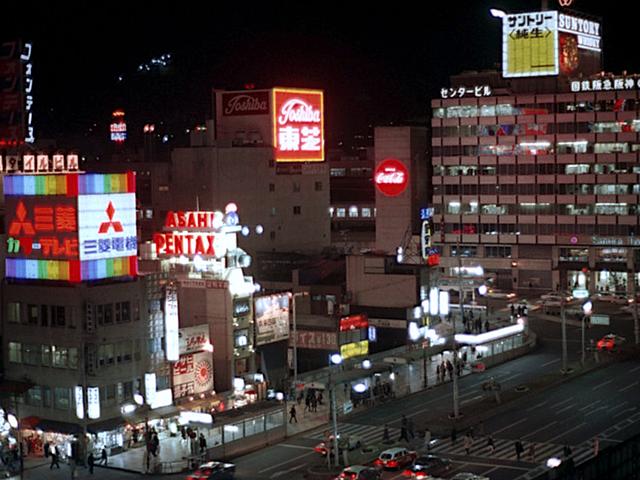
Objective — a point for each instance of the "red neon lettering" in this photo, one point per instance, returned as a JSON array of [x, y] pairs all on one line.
[[43, 219], [202, 220], [182, 222], [170, 244], [170, 220], [159, 240], [66, 219], [200, 245], [211, 250]]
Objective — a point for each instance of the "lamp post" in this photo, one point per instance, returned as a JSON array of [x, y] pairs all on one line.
[[334, 359], [295, 338], [456, 392], [564, 336], [586, 308]]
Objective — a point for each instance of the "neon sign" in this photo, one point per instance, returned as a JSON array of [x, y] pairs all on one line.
[[353, 322], [28, 93], [118, 127], [298, 125], [391, 177]]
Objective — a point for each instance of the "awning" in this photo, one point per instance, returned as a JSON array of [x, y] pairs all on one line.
[[58, 427], [106, 425]]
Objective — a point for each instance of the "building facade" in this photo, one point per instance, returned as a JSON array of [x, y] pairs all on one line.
[[541, 189]]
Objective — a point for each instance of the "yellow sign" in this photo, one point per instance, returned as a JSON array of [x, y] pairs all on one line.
[[355, 349], [530, 44]]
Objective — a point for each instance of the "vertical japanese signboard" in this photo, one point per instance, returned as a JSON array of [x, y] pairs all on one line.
[[298, 125], [530, 44], [171, 324]]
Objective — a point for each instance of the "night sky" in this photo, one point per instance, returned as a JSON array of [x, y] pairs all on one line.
[[377, 65]]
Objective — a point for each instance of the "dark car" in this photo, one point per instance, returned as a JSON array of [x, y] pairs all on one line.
[[428, 465], [214, 471], [360, 472]]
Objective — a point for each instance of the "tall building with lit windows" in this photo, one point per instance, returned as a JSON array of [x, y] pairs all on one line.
[[536, 177]]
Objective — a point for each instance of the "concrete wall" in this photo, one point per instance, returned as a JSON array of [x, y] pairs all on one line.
[[378, 289]]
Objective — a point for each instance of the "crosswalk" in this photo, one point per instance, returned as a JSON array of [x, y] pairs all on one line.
[[504, 448]]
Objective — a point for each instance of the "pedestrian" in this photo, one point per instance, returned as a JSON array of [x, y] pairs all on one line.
[[307, 403], [519, 449], [91, 461], [454, 436], [567, 451], [427, 439], [155, 442], [468, 441], [385, 434], [203, 443], [54, 457], [292, 414], [450, 370], [490, 444], [103, 456], [320, 398], [486, 325], [411, 429], [532, 452], [47, 449], [596, 446], [403, 434], [314, 404], [438, 373]]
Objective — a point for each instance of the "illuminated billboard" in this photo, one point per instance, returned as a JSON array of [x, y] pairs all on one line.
[[298, 125], [272, 318], [192, 374], [70, 227], [391, 177], [530, 44], [354, 349]]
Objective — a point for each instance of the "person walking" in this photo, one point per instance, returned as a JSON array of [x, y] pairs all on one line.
[[292, 414], [427, 439], [566, 450], [486, 325], [519, 449], [491, 444], [385, 434], [55, 454], [91, 462], [468, 441], [203, 443], [438, 373], [103, 456]]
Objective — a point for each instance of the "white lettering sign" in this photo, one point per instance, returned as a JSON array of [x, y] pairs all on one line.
[[462, 91], [605, 84], [93, 402], [79, 401]]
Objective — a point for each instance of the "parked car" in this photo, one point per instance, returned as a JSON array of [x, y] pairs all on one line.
[[360, 472], [395, 458], [556, 296], [610, 342], [426, 466], [349, 442], [616, 298], [214, 471]]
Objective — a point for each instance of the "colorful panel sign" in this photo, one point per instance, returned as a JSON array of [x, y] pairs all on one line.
[[391, 177], [272, 318], [354, 349], [530, 44], [193, 374], [353, 322], [298, 125], [107, 226]]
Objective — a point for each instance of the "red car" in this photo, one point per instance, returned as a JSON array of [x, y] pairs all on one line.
[[610, 342]]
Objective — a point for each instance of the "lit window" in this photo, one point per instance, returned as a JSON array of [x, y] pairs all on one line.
[[341, 212], [353, 211], [331, 210], [15, 352], [366, 212]]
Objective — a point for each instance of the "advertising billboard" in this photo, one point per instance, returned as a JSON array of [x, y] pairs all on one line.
[[194, 339], [354, 349], [391, 177], [272, 318], [192, 374], [530, 44], [171, 324], [316, 340], [298, 125], [71, 227], [245, 103]]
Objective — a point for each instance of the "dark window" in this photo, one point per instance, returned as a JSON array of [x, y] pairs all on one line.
[[44, 315], [296, 187], [318, 186], [32, 314], [272, 187], [297, 210], [58, 318], [108, 314]]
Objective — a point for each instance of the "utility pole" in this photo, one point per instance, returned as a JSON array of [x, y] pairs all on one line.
[[456, 393], [564, 337]]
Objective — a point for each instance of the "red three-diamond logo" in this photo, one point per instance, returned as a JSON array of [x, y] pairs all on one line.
[[104, 226]]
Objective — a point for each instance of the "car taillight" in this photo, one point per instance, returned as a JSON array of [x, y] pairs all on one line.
[[407, 473], [392, 463], [420, 475]]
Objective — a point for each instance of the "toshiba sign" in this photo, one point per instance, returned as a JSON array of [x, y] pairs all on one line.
[[298, 125], [391, 177], [245, 103]]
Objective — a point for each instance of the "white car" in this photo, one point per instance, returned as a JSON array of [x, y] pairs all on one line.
[[556, 297], [495, 293], [613, 298]]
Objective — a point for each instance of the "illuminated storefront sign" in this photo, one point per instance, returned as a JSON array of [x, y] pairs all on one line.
[[118, 127], [195, 339], [93, 402], [391, 177], [586, 31], [172, 331], [150, 385], [353, 322], [354, 349], [530, 44], [298, 125], [71, 227], [605, 84], [272, 318], [39, 163], [241, 307], [462, 91], [79, 396], [28, 93], [316, 340], [192, 374]]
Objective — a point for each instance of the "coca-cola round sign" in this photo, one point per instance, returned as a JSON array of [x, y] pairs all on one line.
[[391, 177]]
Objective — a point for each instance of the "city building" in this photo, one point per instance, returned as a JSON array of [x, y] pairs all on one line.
[[535, 178]]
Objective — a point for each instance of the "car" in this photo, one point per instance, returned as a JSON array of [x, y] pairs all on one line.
[[616, 298], [468, 476], [495, 293], [349, 442], [428, 466], [360, 472], [214, 471], [553, 297], [610, 342], [397, 457]]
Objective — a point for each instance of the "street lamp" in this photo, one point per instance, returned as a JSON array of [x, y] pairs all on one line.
[[334, 359], [587, 307], [295, 338]]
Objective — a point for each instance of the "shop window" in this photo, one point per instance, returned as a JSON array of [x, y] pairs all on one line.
[[15, 352], [233, 432], [254, 426], [366, 212], [61, 398], [275, 420]]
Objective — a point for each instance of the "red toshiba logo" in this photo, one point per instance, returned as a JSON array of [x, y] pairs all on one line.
[[105, 226]]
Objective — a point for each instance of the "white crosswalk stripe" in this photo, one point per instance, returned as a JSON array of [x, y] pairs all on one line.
[[505, 450], [366, 433]]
